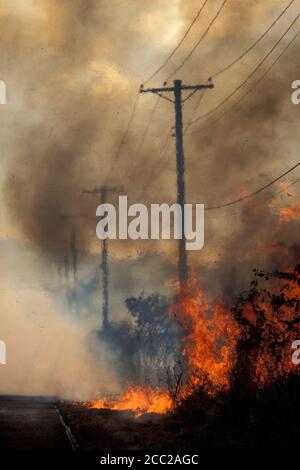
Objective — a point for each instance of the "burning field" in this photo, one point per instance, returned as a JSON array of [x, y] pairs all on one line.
[[249, 344], [236, 367], [146, 344]]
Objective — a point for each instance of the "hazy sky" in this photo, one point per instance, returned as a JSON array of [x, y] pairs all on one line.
[[72, 69]]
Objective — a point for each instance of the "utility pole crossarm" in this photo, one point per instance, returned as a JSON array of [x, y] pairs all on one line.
[[104, 188], [171, 89]]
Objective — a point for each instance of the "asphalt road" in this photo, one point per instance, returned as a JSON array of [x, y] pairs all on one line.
[[32, 424]]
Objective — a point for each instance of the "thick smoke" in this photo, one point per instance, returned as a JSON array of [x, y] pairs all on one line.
[[72, 69], [74, 74]]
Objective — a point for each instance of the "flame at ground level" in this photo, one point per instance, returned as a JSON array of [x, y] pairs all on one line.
[[209, 348], [138, 399], [266, 321]]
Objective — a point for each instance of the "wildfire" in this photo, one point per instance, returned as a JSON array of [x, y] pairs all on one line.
[[209, 349], [278, 333], [284, 186], [289, 213], [210, 341], [140, 400], [265, 324]]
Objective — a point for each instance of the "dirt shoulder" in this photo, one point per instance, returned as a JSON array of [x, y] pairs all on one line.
[[121, 430]]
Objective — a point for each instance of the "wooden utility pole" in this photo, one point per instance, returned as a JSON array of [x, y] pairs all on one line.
[[103, 190], [73, 242], [177, 90]]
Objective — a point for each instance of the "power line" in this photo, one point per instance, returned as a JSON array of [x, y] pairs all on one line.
[[265, 73], [191, 121], [147, 128], [150, 78], [145, 133], [125, 134], [156, 171], [250, 48], [270, 198], [249, 90], [248, 196], [197, 104], [179, 67], [187, 58], [221, 103], [240, 57], [171, 54]]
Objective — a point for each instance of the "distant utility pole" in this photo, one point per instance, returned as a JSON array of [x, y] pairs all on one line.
[[178, 101], [73, 242], [103, 190]]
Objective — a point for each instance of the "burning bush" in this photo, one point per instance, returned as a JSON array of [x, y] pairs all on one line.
[[269, 322], [243, 349], [210, 339]]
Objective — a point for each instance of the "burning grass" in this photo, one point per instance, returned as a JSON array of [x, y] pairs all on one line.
[[251, 341], [139, 400], [209, 347]]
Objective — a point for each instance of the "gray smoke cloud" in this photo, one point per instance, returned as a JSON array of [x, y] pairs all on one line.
[[72, 69]]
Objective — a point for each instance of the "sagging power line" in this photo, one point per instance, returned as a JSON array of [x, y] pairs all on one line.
[[131, 117], [172, 53], [124, 135], [191, 121], [117, 156], [147, 128], [202, 37], [250, 48], [260, 203], [248, 196], [238, 59], [227, 98], [234, 105]]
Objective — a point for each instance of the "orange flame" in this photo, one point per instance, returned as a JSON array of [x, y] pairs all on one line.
[[140, 400], [210, 341], [286, 214], [210, 348], [272, 365]]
